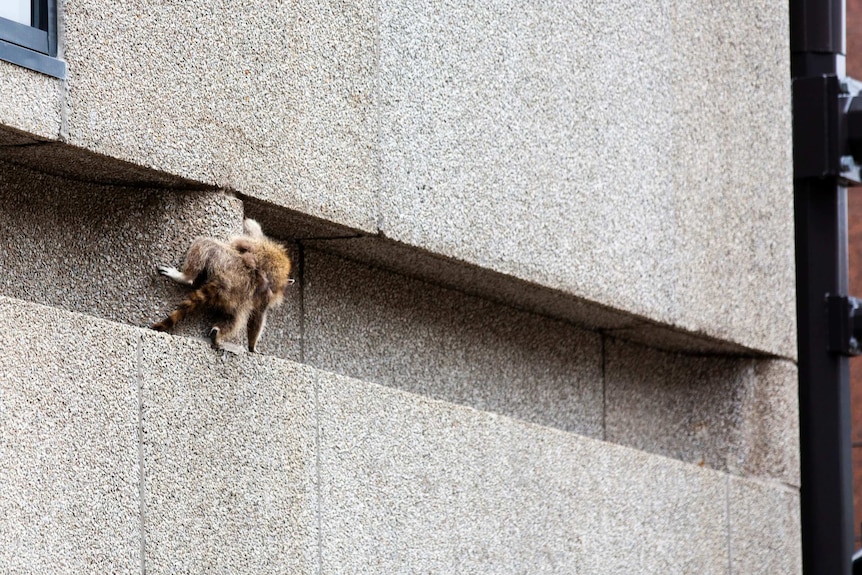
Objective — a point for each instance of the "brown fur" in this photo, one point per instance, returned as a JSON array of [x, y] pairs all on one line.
[[239, 281]]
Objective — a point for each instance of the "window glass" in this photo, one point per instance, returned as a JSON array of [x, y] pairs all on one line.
[[16, 10]]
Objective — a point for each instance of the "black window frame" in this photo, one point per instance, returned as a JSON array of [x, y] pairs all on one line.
[[33, 46]]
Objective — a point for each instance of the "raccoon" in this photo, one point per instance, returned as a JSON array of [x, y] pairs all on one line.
[[239, 281]]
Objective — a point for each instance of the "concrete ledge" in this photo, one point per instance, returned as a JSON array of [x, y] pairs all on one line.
[[257, 464], [408, 481], [69, 192], [93, 249], [734, 415], [385, 328], [499, 138], [524, 294]]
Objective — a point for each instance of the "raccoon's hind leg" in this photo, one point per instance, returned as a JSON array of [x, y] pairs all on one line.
[[204, 255], [256, 322], [227, 328]]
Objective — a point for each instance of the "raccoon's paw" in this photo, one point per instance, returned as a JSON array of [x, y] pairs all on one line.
[[214, 337], [174, 274]]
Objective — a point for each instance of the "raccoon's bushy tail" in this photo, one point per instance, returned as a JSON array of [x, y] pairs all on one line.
[[196, 299]]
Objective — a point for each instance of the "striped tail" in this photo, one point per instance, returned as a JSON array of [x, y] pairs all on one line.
[[196, 299]]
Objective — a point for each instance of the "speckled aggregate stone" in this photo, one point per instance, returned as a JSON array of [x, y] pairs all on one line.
[[618, 152], [615, 153], [730, 414], [732, 188], [475, 280], [410, 485], [273, 99], [764, 528], [383, 327], [30, 101], [84, 167], [69, 474], [253, 464], [229, 460]]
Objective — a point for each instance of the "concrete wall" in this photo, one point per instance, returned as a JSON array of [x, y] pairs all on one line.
[[94, 248], [596, 150], [123, 450], [528, 331]]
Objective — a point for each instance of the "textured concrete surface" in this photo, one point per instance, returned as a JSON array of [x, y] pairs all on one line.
[[285, 116], [59, 249], [764, 528], [505, 132], [499, 136], [30, 102], [257, 464], [767, 441], [410, 485], [79, 165], [229, 461], [489, 135], [31, 160], [94, 249], [69, 478], [474, 280], [729, 414], [386, 328], [732, 189]]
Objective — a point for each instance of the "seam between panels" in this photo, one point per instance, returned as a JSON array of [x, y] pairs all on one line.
[[140, 432], [318, 486], [728, 525]]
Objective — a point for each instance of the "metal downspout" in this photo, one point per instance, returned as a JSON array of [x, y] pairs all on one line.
[[820, 204]]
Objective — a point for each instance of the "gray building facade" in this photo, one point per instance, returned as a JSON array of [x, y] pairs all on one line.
[[528, 332]]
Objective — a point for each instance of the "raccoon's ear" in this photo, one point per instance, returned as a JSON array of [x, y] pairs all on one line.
[[252, 228]]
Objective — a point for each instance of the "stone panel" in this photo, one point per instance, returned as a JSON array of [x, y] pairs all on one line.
[[492, 135], [382, 327], [733, 188], [69, 466], [412, 485], [272, 99], [764, 528], [229, 447], [613, 151], [734, 414], [30, 102]]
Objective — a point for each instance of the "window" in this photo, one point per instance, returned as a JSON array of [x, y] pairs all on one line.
[[28, 35]]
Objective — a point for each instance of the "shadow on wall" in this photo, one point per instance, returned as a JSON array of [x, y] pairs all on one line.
[[94, 248]]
